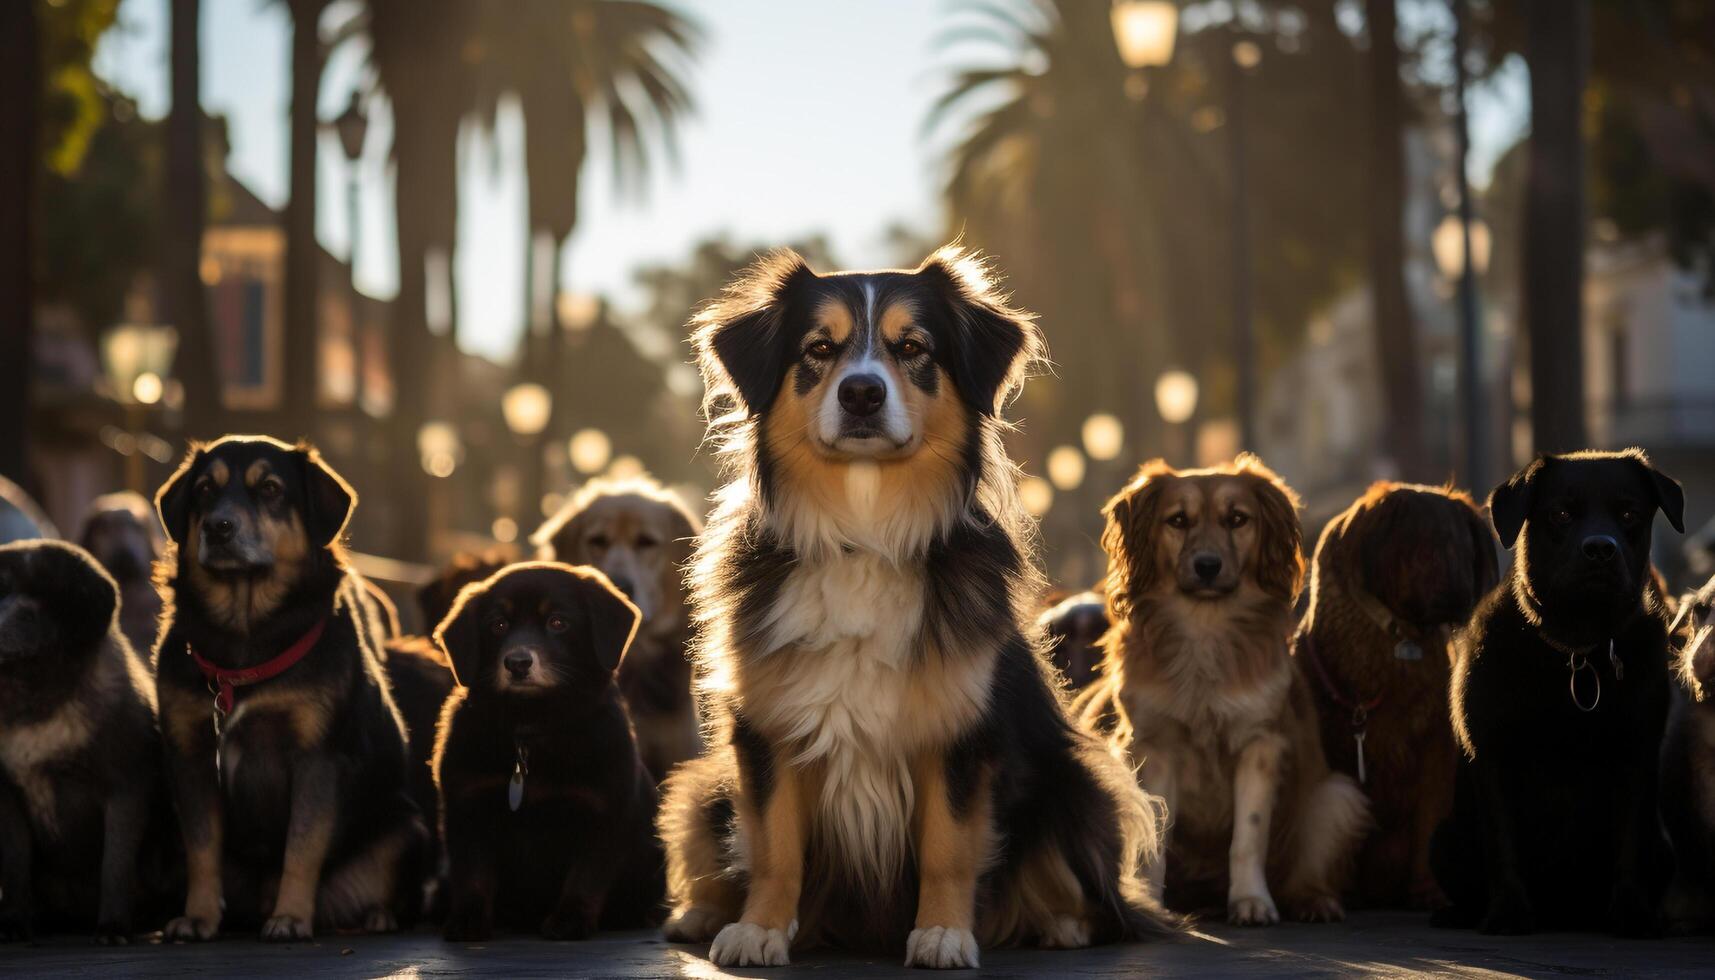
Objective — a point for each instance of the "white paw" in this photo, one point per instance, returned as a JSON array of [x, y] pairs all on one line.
[[941, 948], [748, 944], [1252, 910], [1067, 932], [692, 924]]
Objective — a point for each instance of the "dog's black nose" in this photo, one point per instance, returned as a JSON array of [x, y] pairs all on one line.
[[862, 394], [1206, 566], [624, 585], [518, 664], [220, 531], [1600, 548]]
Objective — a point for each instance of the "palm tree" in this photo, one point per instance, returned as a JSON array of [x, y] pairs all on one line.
[[183, 296], [20, 96], [302, 321]]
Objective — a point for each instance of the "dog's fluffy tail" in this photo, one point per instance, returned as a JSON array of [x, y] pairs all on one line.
[[1141, 820]]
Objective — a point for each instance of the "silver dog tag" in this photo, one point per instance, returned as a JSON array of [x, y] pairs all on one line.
[[1407, 650], [515, 788], [1358, 737]]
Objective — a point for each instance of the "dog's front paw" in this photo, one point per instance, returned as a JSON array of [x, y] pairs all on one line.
[[692, 924], [380, 919], [1067, 932], [113, 934], [1509, 913], [1632, 915], [286, 929], [1252, 910], [941, 948], [191, 929], [749, 944], [1317, 908], [467, 925], [568, 924]]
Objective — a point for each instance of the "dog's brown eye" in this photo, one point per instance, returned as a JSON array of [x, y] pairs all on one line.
[[909, 348], [599, 542], [558, 623], [646, 541], [1238, 519], [498, 626], [820, 349], [1179, 521], [1629, 517], [270, 489], [1561, 516]]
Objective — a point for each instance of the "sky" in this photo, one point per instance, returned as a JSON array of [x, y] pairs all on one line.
[[809, 122]]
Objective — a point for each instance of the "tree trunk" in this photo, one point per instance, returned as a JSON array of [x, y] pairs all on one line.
[[302, 266], [1395, 327], [1558, 51], [183, 298], [20, 97]]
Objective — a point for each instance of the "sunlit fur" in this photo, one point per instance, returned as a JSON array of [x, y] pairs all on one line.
[[1200, 687], [861, 596]]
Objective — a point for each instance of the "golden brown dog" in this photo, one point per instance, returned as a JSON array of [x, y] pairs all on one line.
[[640, 534], [1391, 576], [1203, 569]]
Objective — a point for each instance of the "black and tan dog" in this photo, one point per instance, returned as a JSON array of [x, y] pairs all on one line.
[[1075, 625], [548, 812], [1200, 688], [289, 778], [640, 534], [123, 534], [895, 767], [81, 813], [1393, 575], [1559, 698]]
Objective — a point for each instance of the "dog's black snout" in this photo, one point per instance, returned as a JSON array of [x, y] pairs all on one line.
[[518, 663], [1601, 548], [1206, 566], [862, 394], [624, 585], [220, 530]]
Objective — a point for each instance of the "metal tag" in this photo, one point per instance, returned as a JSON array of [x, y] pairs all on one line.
[[515, 789], [1358, 737], [1407, 650]]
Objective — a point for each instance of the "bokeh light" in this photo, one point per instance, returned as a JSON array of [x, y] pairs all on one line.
[[1066, 467], [589, 449], [1036, 495], [1104, 436]]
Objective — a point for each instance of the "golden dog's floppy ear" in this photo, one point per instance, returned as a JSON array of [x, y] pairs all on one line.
[[741, 337], [1129, 535], [1280, 559], [613, 619], [330, 500], [173, 500], [995, 343], [460, 633]]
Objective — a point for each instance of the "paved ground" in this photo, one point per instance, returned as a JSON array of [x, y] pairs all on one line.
[[1374, 944]]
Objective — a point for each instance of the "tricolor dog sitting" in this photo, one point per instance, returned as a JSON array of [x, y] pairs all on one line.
[[894, 766], [284, 752]]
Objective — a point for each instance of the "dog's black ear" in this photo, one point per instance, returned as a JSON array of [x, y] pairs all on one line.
[[460, 633], [613, 620], [330, 499], [173, 500], [1669, 496], [1509, 503], [741, 338], [993, 343], [1280, 562], [86, 596]]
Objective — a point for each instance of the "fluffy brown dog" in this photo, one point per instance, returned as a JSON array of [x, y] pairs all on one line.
[[1392, 575], [640, 534], [1203, 569]]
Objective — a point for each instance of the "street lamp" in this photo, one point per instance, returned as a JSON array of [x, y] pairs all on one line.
[[528, 407], [352, 128], [1246, 55], [1144, 31], [1472, 251], [1448, 244], [1176, 400], [136, 359]]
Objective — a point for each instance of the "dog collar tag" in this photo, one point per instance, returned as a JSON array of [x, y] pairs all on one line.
[[1407, 650], [1618, 664], [515, 787]]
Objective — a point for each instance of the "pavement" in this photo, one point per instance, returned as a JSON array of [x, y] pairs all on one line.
[[1376, 944]]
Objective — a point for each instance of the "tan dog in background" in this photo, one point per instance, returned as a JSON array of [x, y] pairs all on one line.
[[640, 534], [1203, 569]]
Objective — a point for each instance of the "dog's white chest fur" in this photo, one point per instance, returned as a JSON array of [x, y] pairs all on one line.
[[843, 636], [27, 750]]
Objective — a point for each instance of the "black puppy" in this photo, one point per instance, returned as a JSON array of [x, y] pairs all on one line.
[[289, 778], [547, 810], [79, 759], [1559, 696]]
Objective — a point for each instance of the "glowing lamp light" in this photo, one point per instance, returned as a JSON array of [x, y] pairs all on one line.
[[589, 450], [626, 468], [147, 389], [1103, 436], [1036, 495], [527, 408], [440, 449], [1448, 244], [1247, 54], [1144, 31], [1176, 396], [504, 529], [1065, 467]]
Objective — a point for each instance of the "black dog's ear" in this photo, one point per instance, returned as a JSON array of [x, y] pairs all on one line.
[[613, 620], [993, 342], [740, 337], [1669, 496], [330, 499], [173, 500], [86, 594], [460, 634], [1509, 503]]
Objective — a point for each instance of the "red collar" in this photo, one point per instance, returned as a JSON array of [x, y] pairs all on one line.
[[229, 679]]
